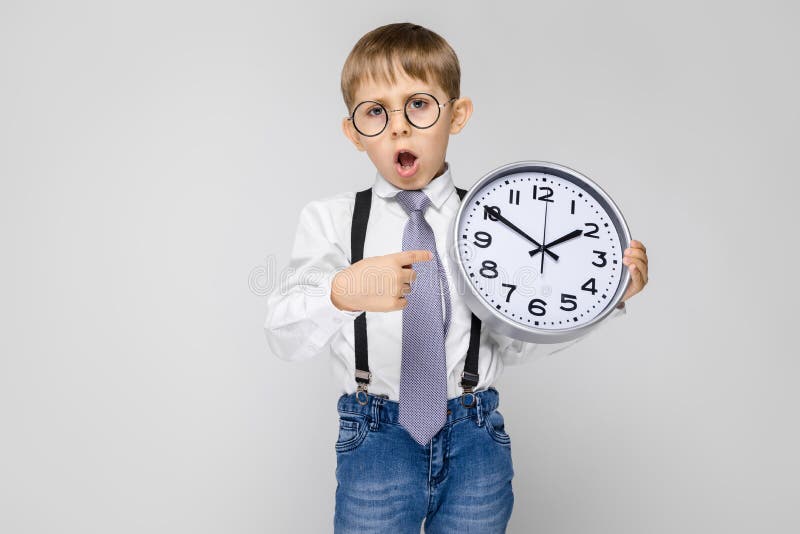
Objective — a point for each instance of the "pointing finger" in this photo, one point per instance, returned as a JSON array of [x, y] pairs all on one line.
[[407, 257]]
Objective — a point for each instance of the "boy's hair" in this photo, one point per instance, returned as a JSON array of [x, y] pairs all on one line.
[[420, 52]]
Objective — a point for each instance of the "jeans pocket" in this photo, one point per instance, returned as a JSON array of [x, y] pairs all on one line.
[[495, 426], [353, 429]]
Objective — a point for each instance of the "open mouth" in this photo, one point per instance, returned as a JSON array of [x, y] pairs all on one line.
[[406, 158], [406, 163]]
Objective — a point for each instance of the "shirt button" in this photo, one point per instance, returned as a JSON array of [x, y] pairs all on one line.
[[449, 412]]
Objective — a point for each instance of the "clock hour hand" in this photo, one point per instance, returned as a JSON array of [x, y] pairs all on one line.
[[572, 235], [496, 214]]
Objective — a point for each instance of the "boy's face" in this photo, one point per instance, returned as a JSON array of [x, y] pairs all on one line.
[[429, 145]]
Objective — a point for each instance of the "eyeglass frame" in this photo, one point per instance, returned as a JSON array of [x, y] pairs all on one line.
[[438, 114]]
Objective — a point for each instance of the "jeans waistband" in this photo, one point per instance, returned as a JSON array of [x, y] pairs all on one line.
[[388, 411]]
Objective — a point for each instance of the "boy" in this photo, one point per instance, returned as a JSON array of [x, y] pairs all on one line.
[[418, 440]]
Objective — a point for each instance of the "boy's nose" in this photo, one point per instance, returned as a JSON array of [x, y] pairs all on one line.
[[398, 125]]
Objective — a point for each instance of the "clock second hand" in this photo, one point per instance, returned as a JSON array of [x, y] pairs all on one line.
[[496, 214], [544, 238]]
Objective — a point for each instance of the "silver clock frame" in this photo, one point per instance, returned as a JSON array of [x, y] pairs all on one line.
[[484, 310]]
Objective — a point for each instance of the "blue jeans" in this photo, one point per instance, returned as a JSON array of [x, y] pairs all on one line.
[[387, 483]]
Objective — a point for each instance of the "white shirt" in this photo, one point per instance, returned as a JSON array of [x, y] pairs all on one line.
[[302, 321]]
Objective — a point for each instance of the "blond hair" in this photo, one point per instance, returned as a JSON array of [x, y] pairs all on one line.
[[420, 52]]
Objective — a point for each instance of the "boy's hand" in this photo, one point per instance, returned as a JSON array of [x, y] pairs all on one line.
[[379, 283], [636, 259]]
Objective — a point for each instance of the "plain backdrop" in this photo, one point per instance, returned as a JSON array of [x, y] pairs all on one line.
[[154, 157]]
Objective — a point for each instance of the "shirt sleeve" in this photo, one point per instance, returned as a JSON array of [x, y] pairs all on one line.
[[514, 351], [301, 318]]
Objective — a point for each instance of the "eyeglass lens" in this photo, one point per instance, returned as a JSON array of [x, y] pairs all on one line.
[[422, 110]]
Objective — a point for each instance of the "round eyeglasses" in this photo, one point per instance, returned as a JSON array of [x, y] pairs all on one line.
[[422, 110]]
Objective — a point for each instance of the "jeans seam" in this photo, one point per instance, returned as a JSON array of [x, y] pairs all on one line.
[[430, 485], [446, 456]]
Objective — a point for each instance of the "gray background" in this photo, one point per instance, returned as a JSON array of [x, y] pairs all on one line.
[[154, 157]]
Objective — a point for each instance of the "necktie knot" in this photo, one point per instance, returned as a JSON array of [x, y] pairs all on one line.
[[413, 200]]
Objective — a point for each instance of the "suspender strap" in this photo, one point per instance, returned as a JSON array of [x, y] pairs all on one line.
[[358, 233], [469, 377]]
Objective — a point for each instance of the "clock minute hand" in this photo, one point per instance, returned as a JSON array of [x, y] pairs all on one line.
[[572, 235], [496, 214]]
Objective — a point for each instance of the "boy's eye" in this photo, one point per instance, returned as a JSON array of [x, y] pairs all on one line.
[[375, 111], [417, 103]]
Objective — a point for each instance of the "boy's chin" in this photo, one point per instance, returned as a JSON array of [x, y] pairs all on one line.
[[409, 184], [418, 181]]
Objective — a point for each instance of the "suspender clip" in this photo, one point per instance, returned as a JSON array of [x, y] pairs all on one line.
[[362, 379], [363, 376], [468, 382], [469, 379]]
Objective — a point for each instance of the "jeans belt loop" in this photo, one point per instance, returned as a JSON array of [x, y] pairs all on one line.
[[375, 417], [479, 410]]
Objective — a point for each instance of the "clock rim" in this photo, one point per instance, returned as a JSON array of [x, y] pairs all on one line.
[[487, 313]]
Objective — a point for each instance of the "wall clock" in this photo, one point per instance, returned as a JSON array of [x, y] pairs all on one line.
[[538, 250]]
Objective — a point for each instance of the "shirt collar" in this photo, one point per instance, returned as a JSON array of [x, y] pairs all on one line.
[[438, 189]]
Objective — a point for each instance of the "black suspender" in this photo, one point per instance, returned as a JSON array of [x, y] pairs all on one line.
[[358, 231], [469, 377]]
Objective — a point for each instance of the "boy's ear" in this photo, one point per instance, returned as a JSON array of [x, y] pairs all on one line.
[[462, 110], [350, 132]]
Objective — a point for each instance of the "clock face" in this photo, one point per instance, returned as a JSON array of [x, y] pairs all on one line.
[[542, 249]]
